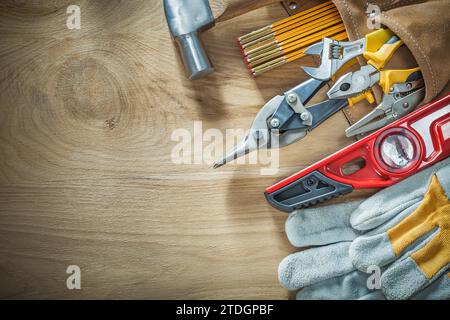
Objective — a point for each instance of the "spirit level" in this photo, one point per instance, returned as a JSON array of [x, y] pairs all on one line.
[[379, 160]]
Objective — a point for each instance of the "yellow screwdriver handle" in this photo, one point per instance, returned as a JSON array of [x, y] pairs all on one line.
[[390, 77], [376, 39], [366, 95], [379, 58]]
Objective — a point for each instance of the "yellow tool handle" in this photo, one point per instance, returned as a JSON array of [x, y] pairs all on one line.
[[379, 58], [367, 95], [375, 40], [342, 70], [390, 77]]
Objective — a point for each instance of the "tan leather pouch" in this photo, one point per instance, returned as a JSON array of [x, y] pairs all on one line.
[[422, 25]]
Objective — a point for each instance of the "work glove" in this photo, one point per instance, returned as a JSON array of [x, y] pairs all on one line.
[[402, 230]]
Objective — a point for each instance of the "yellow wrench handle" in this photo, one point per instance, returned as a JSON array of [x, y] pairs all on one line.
[[379, 58], [375, 40], [390, 77]]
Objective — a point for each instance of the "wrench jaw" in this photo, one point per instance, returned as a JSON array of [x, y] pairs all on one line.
[[323, 72], [334, 55], [318, 73], [315, 49]]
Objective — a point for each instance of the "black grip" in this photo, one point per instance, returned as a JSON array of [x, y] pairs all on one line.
[[308, 190]]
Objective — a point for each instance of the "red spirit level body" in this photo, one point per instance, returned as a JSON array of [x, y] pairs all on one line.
[[379, 160]]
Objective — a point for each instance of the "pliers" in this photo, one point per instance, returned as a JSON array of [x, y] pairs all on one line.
[[396, 104], [336, 54], [403, 89], [355, 83], [285, 119]]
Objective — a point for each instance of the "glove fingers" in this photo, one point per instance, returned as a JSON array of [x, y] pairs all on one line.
[[321, 225], [394, 221], [404, 279], [419, 269], [351, 286], [376, 250], [314, 265], [438, 290], [389, 202]]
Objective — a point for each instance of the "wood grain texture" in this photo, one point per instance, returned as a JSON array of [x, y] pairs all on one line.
[[226, 9], [86, 176]]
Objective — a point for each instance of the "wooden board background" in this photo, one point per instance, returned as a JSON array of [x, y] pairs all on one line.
[[86, 176]]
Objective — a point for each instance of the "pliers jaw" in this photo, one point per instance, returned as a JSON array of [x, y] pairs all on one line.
[[395, 105], [354, 83]]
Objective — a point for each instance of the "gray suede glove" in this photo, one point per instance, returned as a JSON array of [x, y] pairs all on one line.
[[402, 230]]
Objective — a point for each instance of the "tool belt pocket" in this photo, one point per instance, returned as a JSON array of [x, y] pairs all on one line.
[[421, 25]]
